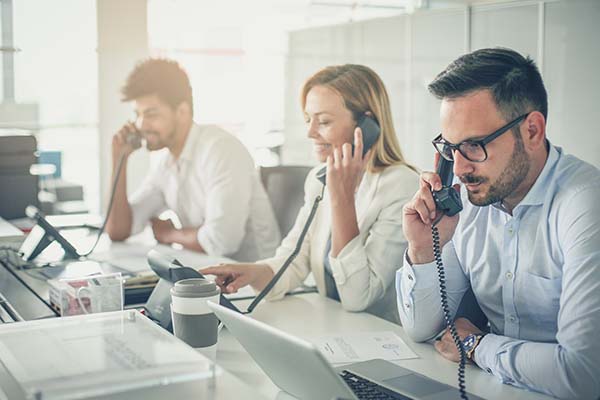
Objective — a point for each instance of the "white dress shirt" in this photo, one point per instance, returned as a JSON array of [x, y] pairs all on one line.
[[536, 276], [213, 186], [364, 269]]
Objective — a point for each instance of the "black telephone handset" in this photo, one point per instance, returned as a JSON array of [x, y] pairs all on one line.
[[447, 200], [134, 139], [370, 132]]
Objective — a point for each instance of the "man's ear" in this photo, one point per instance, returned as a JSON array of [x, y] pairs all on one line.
[[534, 130], [183, 110]]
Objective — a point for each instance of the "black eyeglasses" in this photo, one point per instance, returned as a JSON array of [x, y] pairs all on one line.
[[472, 150]]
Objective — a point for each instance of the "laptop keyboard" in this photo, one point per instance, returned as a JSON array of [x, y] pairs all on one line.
[[366, 390]]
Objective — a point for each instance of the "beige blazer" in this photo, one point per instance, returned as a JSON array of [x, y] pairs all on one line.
[[364, 270]]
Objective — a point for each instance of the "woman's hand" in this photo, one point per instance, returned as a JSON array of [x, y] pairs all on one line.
[[231, 277], [345, 170], [344, 173]]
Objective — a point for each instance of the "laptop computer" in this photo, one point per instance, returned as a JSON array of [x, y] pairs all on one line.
[[298, 367]]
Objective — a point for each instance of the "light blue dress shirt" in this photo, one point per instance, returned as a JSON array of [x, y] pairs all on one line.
[[536, 276]]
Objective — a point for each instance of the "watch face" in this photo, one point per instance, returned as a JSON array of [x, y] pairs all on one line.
[[469, 342]]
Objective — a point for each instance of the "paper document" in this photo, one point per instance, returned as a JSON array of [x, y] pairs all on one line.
[[363, 346]]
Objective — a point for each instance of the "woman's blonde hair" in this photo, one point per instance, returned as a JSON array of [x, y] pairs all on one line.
[[362, 90]]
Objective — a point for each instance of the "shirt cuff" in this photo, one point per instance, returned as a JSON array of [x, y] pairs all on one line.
[[350, 260], [423, 276], [485, 352], [408, 279]]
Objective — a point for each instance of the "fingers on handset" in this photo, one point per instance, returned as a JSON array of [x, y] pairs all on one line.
[[431, 180], [358, 143], [346, 153], [337, 157], [127, 129], [424, 193], [426, 213]]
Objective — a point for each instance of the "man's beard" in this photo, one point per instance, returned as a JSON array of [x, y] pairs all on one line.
[[507, 182], [158, 143]]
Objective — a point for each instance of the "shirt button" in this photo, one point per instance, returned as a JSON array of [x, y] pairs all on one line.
[[406, 305], [512, 318], [410, 278], [509, 275], [510, 231], [488, 370]]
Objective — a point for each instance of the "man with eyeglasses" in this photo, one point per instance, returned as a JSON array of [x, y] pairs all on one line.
[[527, 243]]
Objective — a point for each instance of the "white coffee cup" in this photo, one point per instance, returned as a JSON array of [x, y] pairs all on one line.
[[193, 321]]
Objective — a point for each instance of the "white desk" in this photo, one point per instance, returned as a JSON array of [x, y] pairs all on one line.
[[310, 315], [306, 316]]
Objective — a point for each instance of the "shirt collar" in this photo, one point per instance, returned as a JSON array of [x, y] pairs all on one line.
[[538, 191], [187, 154]]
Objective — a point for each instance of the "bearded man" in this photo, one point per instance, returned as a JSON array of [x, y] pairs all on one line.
[[202, 173], [527, 243]]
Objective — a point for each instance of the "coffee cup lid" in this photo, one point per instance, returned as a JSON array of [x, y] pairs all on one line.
[[195, 287]]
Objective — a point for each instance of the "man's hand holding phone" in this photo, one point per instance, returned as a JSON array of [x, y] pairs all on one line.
[[126, 141], [418, 216]]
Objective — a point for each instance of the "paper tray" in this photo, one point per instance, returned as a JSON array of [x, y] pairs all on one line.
[[94, 355]]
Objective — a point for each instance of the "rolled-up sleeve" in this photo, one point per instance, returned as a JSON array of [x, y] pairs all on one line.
[[230, 172]]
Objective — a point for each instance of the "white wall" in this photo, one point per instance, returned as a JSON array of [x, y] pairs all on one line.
[[407, 51], [122, 41]]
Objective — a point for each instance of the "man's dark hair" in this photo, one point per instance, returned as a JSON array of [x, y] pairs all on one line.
[[513, 80], [162, 77]]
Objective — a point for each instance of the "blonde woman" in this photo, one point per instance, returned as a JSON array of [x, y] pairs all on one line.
[[355, 243]]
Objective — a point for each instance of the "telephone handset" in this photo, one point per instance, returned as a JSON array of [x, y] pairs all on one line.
[[370, 132], [447, 200], [134, 139]]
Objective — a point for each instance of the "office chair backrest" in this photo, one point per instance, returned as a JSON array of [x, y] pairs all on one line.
[[285, 188], [18, 187]]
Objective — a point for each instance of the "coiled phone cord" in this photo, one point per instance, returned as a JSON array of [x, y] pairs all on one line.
[[437, 252]]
